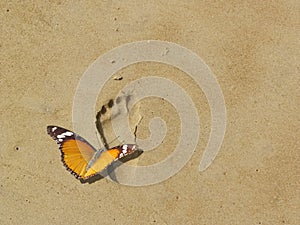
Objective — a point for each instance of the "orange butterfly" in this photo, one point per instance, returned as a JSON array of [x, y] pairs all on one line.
[[81, 158]]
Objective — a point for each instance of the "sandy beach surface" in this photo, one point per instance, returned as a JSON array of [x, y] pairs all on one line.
[[251, 47]]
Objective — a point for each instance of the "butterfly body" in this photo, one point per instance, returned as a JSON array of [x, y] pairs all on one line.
[[81, 158]]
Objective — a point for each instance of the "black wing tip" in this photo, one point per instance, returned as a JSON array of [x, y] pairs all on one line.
[[50, 129], [55, 130]]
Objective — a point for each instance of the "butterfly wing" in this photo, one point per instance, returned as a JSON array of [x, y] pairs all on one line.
[[107, 157], [76, 152]]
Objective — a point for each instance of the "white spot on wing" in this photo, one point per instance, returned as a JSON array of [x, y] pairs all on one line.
[[68, 133], [54, 129], [60, 136], [124, 149]]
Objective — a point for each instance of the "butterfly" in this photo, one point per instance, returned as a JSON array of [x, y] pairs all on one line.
[[81, 158]]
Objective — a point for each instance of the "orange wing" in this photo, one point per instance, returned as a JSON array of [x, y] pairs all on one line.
[[103, 161], [81, 158], [76, 152], [75, 155]]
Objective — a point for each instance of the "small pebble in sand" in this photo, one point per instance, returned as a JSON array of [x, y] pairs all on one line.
[[118, 78]]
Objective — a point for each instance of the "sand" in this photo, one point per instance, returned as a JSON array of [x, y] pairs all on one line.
[[251, 47]]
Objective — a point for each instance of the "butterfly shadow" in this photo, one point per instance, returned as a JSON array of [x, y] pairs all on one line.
[[110, 170]]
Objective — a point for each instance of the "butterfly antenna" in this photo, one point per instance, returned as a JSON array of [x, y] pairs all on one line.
[[135, 130], [114, 140]]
